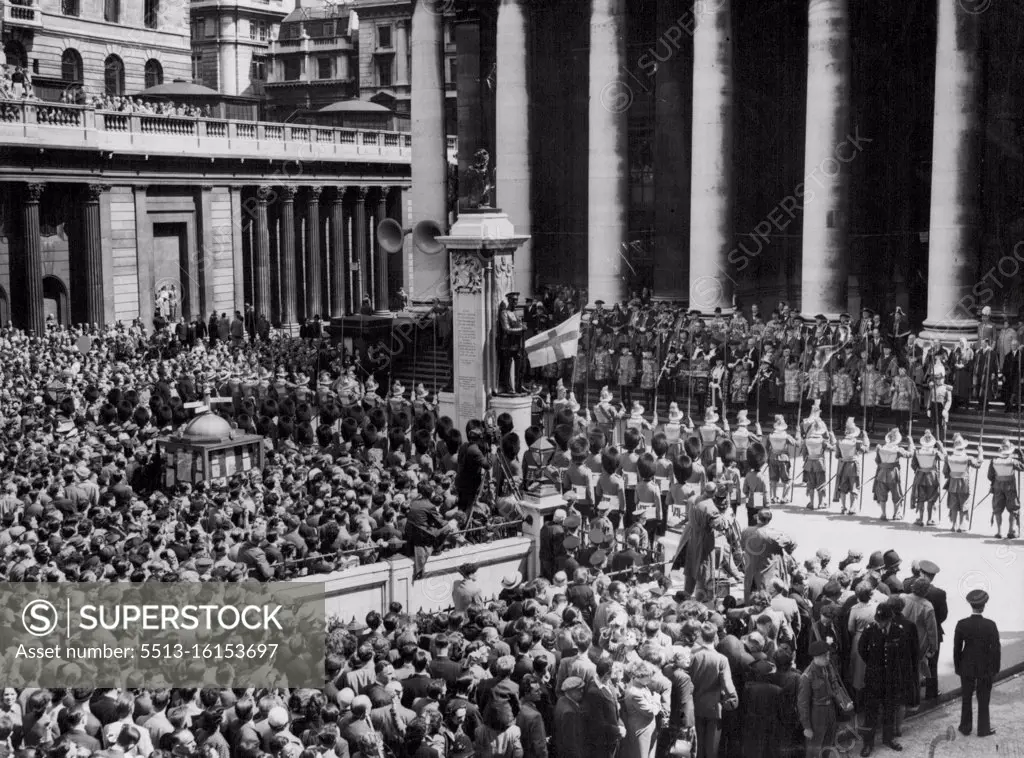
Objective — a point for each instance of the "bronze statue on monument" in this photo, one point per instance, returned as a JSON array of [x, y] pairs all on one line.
[[479, 180], [511, 349]]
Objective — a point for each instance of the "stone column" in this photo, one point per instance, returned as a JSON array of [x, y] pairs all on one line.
[[32, 261], [429, 149], [261, 254], [711, 185], [314, 275], [339, 260], [401, 53], [468, 86], [826, 249], [228, 55], [92, 239], [512, 133], [381, 304], [360, 242], [672, 89], [289, 282], [954, 227], [608, 159]]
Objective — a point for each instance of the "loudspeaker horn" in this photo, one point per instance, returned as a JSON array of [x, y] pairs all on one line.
[[390, 235], [424, 237]]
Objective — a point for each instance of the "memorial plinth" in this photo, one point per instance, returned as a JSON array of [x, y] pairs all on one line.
[[481, 247], [206, 449], [539, 509]]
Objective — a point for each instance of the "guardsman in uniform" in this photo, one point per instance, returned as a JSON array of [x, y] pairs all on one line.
[[926, 489], [781, 446], [887, 478], [710, 434], [741, 439], [820, 697], [1002, 472], [958, 466], [976, 658], [850, 448], [817, 441], [755, 482], [606, 416]]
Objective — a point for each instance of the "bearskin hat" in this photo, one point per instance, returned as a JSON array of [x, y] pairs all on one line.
[[92, 393], [264, 426], [245, 424], [692, 447], [756, 455], [67, 406], [249, 406], [378, 418], [108, 414], [349, 429], [285, 427], [287, 407], [304, 434], [324, 435], [164, 414], [114, 396], [727, 451], [124, 411], [132, 396], [141, 416], [269, 407], [179, 414], [303, 412]]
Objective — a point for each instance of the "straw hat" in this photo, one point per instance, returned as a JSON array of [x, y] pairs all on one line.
[[741, 418], [959, 443], [893, 436], [711, 416], [928, 439]]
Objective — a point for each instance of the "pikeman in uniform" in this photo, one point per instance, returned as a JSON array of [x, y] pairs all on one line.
[[606, 416], [926, 487], [940, 400], [710, 434], [397, 403], [887, 478], [421, 402], [742, 438], [370, 398], [780, 462], [812, 415], [958, 466], [853, 444], [817, 441], [1002, 472]]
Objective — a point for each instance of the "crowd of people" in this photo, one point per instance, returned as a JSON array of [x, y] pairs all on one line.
[[16, 83], [875, 367], [731, 646]]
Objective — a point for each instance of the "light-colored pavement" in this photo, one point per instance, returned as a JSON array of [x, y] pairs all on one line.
[[966, 561], [934, 734]]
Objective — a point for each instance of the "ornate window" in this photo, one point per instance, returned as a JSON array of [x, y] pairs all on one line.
[[71, 66], [113, 75], [154, 73]]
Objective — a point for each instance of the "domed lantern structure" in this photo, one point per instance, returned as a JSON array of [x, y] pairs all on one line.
[[208, 448]]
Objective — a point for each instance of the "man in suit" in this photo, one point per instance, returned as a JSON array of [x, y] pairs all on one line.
[[530, 722], [443, 667], [569, 725], [1011, 376], [937, 597], [713, 690], [976, 658], [605, 729]]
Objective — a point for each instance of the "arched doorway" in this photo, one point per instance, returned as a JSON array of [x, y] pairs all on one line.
[[55, 300]]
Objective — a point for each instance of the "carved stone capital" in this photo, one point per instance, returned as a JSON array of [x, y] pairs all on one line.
[[95, 191], [384, 192], [34, 191], [361, 193], [314, 194], [264, 192], [339, 193], [288, 193], [206, 187]]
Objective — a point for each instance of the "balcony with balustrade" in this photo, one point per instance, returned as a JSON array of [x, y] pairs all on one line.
[[43, 125], [25, 13]]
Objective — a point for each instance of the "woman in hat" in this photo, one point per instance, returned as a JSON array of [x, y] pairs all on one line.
[[957, 468], [813, 448], [851, 448], [780, 449], [926, 464], [887, 477]]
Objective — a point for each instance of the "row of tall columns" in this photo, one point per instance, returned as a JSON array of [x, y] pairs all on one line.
[[28, 289], [429, 195], [608, 154], [830, 144], [284, 271]]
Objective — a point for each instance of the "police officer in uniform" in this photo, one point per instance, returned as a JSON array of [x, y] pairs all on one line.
[[821, 693], [976, 654]]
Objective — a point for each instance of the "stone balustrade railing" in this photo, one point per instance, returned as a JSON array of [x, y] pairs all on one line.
[[43, 124]]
